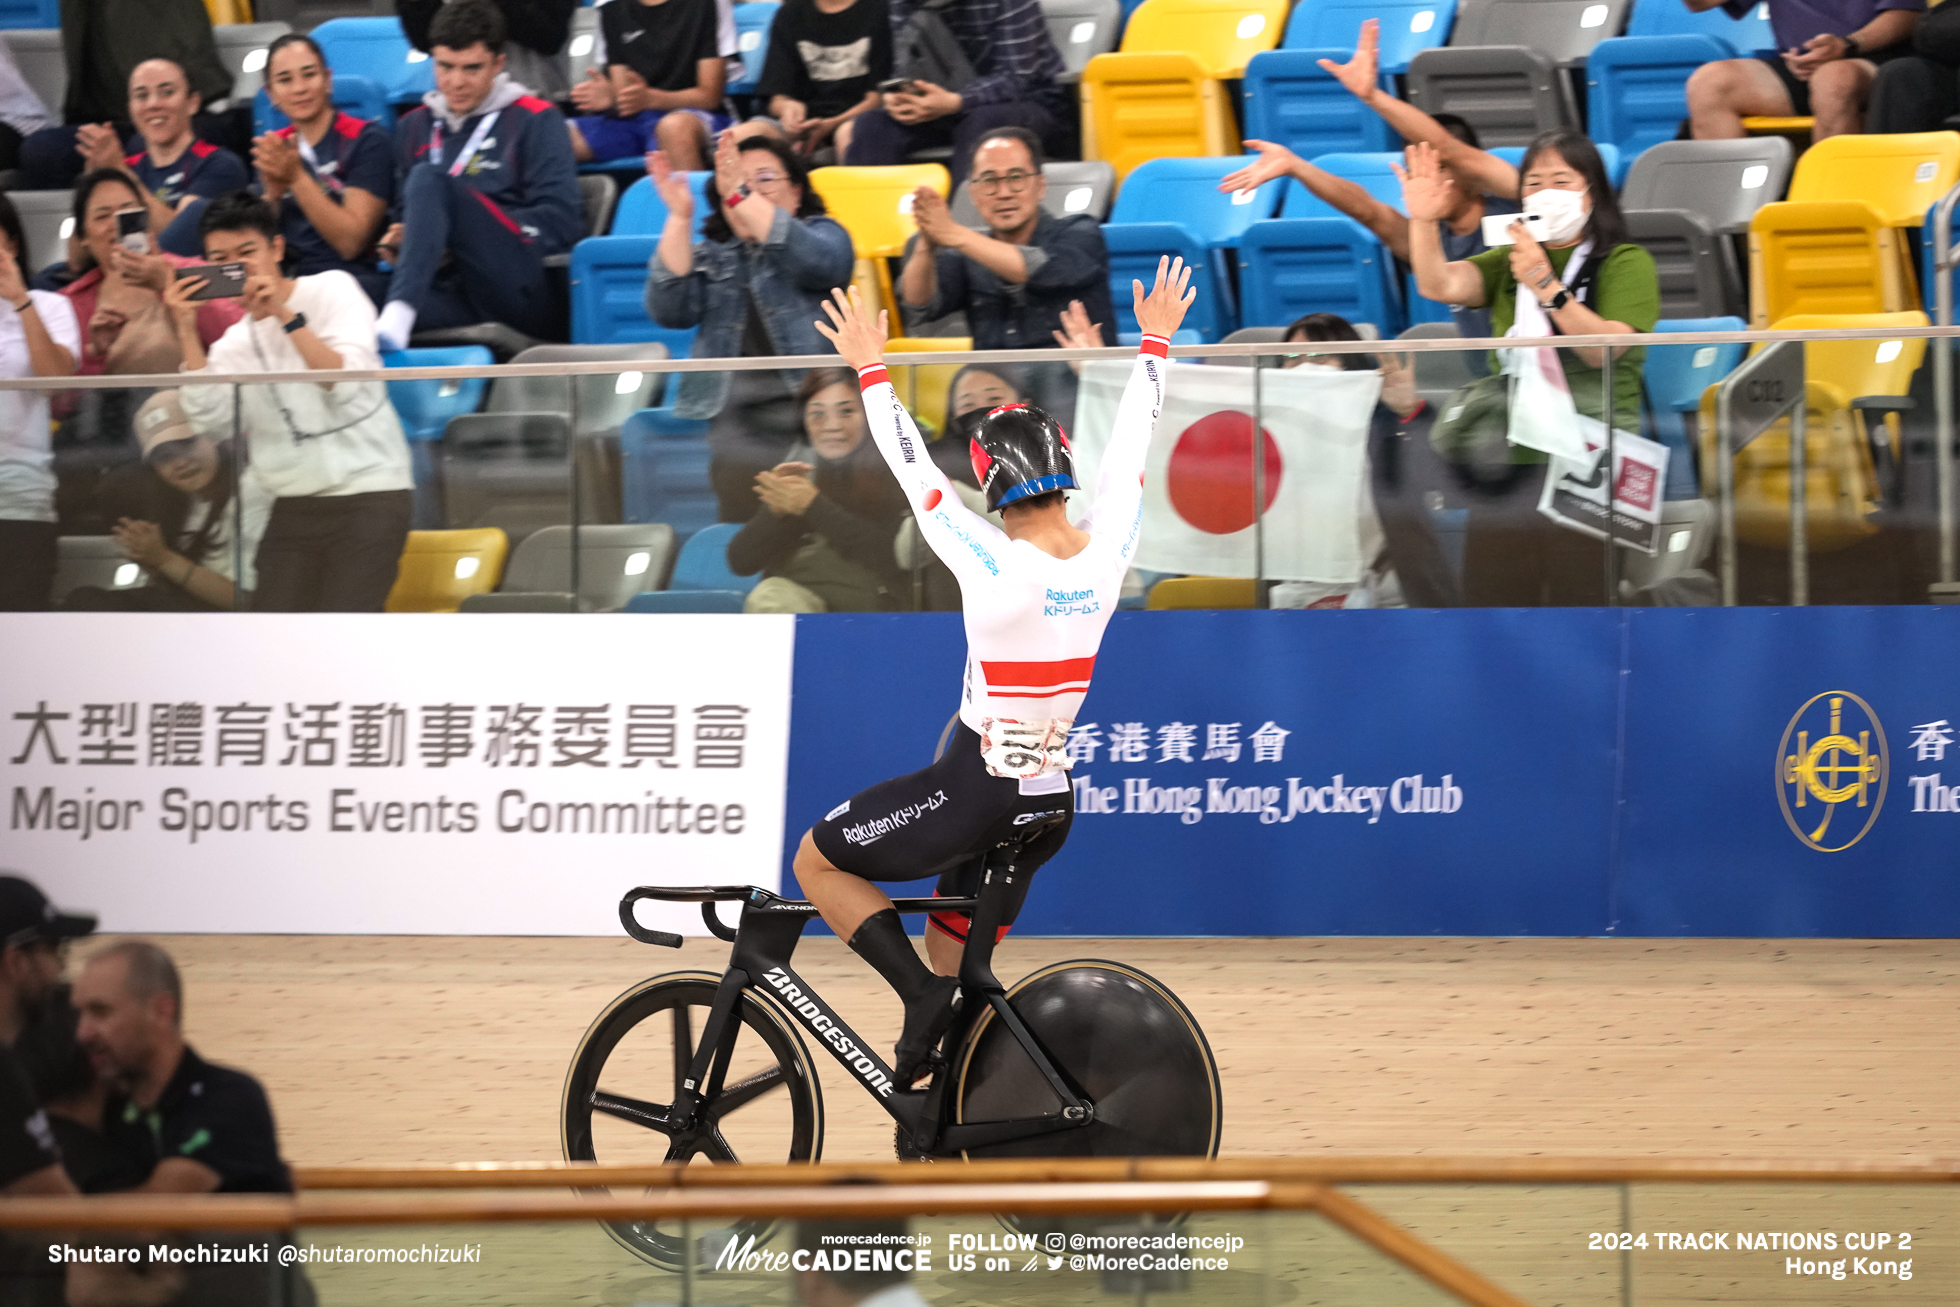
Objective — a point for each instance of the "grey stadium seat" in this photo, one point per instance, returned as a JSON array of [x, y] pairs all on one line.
[[37, 52], [92, 560], [1271, 336], [1564, 30], [242, 46], [614, 564], [1441, 373], [508, 470], [1722, 182], [1698, 273], [1081, 30], [1509, 93], [45, 219], [594, 405], [1086, 187]]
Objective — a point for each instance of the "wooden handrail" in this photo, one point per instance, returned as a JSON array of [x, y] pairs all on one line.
[[1386, 1237], [1276, 1170]]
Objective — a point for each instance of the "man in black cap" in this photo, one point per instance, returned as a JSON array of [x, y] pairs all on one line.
[[33, 937], [191, 1126]]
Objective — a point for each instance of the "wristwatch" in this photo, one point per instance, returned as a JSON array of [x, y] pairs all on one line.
[[739, 194], [297, 321], [1560, 300], [1851, 47]]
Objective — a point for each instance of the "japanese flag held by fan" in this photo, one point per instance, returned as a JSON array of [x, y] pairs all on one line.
[[1198, 504]]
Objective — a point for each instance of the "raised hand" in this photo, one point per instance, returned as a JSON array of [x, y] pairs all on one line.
[[1361, 75], [1161, 311], [177, 298], [859, 340], [1427, 191], [1273, 161], [674, 190]]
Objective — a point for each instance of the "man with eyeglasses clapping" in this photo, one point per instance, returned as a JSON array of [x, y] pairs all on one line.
[[1014, 280]]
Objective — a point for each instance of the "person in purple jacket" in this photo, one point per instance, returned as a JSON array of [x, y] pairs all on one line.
[[1827, 54], [485, 176]]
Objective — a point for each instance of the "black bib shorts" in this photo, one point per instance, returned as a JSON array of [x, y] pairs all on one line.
[[943, 821]]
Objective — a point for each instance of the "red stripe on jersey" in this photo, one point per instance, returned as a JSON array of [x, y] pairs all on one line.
[[1080, 687], [1157, 345], [875, 375], [1058, 677]]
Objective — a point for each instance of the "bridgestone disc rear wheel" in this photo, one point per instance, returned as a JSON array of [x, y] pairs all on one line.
[[628, 1070], [1123, 1041]]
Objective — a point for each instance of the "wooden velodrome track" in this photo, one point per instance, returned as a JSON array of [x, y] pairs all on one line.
[[411, 1049]]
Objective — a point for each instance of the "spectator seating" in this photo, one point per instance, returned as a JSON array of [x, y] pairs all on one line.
[[594, 404], [583, 569], [923, 387], [641, 211], [1333, 28], [702, 582], [664, 471], [875, 206], [1173, 206], [1697, 268], [1313, 258], [1817, 253], [1847, 462], [609, 273], [1676, 377], [1081, 30], [1504, 68], [1249, 336], [1688, 531], [91, 560], [1749, 34], [37, 51], [598, 196], [1291, 99], [242, 48], [1636, 85], [1084, 187], [352, 93], [752, 44], [376, 48], [1204, 592], [512, 470], [1722, 183], [687, 601], [1610, 156], [46, 219], [580, 41], [440, 569], [17, 14], [1441, 373], [1163, 94], [425, 408]]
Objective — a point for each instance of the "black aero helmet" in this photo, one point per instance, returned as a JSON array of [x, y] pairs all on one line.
[[1018, 452]]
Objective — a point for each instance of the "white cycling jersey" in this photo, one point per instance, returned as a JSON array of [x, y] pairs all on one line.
[[1033, 621]]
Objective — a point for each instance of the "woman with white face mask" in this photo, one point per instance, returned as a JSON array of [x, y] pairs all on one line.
[[1571, 256]]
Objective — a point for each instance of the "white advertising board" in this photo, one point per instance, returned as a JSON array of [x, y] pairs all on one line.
[[391, 774]]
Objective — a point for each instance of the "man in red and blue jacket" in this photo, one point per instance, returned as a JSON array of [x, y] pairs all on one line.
[[485, 175]]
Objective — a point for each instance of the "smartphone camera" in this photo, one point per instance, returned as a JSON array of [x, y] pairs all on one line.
[[133, 230]]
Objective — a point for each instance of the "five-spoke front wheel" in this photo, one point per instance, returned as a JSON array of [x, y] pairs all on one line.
[[628, 1072]]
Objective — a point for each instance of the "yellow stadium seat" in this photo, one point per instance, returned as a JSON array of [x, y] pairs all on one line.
[[875, 206], [1757, 126], [1162, 94], [1834, 246], [1204, 592], [439, 569], [224, 12], [922, 387], [1841, 477]]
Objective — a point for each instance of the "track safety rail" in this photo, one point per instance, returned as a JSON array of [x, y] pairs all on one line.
[[1943, 265]]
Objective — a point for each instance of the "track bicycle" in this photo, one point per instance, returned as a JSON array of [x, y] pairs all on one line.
[[1084, 1058]]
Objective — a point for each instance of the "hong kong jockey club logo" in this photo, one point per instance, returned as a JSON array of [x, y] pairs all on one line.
[[1831, 771]]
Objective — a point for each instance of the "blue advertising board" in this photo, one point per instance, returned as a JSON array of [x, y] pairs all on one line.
[[1469, 772]]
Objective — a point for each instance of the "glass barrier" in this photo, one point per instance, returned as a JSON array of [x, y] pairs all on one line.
[[1415, 473], [1642, 1243]]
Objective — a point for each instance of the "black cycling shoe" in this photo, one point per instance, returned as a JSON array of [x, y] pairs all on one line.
[[926, 1019]]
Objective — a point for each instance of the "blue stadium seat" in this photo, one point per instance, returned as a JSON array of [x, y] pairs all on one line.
[[752, 43], [1134, 249], [1609, 154], [703, 562], [352, 93], [1407, 26], [1291, 266], [641, 211], [1373, 171], [1174, 206], [664, 471], [375, 48], [1676, 376], [1290, 99], [425, 408], [1637, 86], [686, 601], [45, 14], [609, 281], [1748, 35]]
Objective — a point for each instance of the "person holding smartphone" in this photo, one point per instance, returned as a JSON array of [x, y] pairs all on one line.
[[331, 455], [38, 338], [826, 61]]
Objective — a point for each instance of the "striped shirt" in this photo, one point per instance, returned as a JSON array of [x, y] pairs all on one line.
[[1008, 44]]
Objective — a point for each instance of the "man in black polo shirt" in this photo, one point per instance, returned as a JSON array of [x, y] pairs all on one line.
[[192, 1127], [33, 935]]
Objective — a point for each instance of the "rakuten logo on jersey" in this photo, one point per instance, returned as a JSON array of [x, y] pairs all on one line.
[[1272, 804]]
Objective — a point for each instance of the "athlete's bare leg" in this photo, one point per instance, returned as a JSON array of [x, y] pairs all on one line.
[[943, 951], [843, 899]]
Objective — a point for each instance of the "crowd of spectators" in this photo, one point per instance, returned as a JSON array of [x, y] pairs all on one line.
[[357, 238]]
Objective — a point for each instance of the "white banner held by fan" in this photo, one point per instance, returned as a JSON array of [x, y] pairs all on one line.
[[1198, 505], [492, 774], [1575, 492]]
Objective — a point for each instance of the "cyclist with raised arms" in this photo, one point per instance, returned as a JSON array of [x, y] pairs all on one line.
[[1038, 592]]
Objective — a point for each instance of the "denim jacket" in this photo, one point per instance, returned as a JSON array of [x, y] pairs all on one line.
[[790, 273]]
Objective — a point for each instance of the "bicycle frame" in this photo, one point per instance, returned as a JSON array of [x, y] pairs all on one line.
[[764, 940]]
